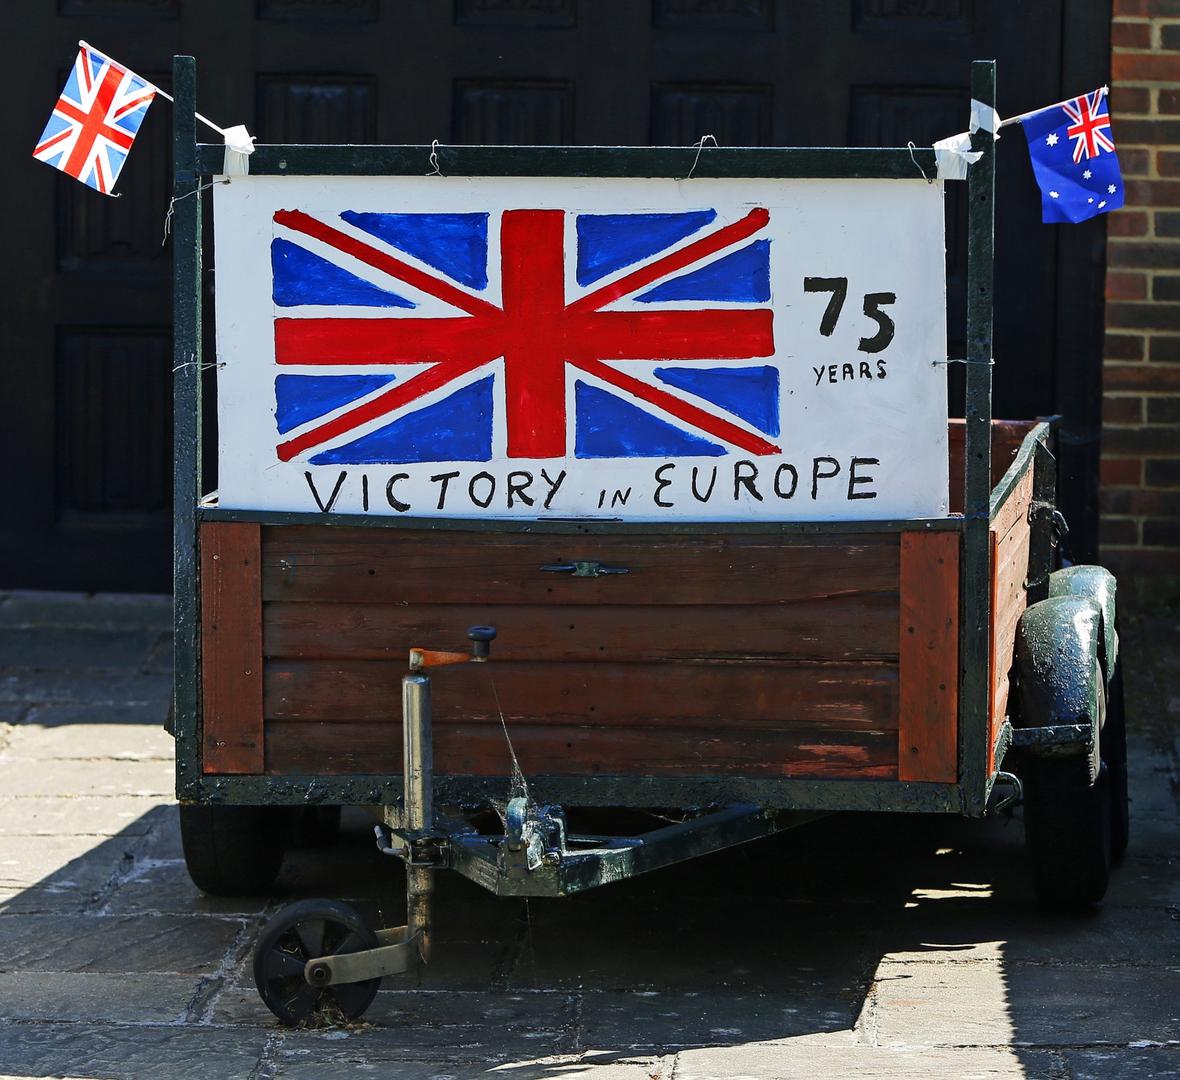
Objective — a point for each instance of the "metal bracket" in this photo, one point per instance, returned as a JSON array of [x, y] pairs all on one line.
[[1016, 795], [1057, 520], [1056, 739], [584, 569], [533, 835], [396, 954]]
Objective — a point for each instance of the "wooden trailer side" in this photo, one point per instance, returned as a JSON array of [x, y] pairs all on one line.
[[753, 655]]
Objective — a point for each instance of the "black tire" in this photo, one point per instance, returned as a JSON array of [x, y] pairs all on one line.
[[1114, 754], [316, 826], [1067, 819], [233, 850], [305, 931]]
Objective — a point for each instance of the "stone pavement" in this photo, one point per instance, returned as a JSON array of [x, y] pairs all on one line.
[[860, 946]]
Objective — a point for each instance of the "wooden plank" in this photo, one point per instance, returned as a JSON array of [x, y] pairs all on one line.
[[928, 667], [841, 628], [580, 750], [1014, 508], [1007, 436], [732, 694], [231, 648], [1010, 558], [323, 564]]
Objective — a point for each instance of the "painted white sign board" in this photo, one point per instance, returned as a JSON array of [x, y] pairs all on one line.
[[646, 350]]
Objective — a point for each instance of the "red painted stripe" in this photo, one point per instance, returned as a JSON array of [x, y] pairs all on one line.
[[533, 275], [93, 123], [131, 106], [309, 226], [385, 403], [678, 260], [384, 341], [116, 135], [682, 410], [42, 147], [710, 334]]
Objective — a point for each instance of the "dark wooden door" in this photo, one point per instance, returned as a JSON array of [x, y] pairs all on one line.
[[86, 377]]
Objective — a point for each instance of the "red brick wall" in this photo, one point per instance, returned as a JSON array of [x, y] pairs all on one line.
[[1140, 478]]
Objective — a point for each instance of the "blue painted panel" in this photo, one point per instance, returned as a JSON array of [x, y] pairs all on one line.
[[608, 427], [748, 392], [458, 428], [456, 244], [743, 275], [300, 398], [303, 278], [608, 242]]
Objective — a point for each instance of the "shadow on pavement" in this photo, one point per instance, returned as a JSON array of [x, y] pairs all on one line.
[[875, 945]]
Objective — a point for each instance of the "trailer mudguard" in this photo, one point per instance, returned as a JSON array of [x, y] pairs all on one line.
[[1060, 677], [1097, 584]]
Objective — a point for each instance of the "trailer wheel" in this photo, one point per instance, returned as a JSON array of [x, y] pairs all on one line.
[[306, 931], [233, 850], [1114, 754], [1067, 825]]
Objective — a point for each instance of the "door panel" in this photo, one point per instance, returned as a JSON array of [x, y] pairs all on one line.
[[84, 403]]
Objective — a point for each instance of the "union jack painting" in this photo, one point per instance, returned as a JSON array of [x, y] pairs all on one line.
[[523, 334], [95, 121]]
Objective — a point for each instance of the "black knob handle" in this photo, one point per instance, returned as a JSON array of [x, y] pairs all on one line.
[[481, 639]]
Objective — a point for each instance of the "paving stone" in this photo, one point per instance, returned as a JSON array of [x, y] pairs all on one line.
[[136, 715], [86, 688], [117, 1052], [127, 742], [992, 1004], [84, 777], [128, 997], [105, 611], [651, 1021], [93, 943], [56, 649], [963, 931], [12, 712], [164, 887], [1125, 1063], [57, 873], [807, 1059], [353, 1058], [93, 815], [610, 940], [423, 1024]]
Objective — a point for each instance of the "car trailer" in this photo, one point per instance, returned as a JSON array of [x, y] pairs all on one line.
[[941, 665]]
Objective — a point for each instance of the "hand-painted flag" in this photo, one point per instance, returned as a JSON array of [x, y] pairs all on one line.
[[522, 334], [1073, 159], [95, 121]]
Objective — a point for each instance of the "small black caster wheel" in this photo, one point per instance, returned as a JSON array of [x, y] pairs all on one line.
[[306, 931]]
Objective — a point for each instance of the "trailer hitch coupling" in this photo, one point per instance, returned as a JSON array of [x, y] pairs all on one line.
[[534, 836]]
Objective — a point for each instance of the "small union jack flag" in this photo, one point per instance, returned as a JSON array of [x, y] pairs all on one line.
[[1074, 160], [95, 120], [526, 333]]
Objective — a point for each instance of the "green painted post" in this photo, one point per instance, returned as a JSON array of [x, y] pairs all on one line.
[[186, 419], [975, 632]]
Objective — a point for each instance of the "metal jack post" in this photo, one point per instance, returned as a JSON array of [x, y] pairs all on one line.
[[418, 823]]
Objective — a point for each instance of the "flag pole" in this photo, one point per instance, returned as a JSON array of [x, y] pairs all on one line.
[[164, 94], [1102, 90]]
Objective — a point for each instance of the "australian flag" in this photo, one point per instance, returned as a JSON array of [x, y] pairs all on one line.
[[523, 333], [1073, 159]]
